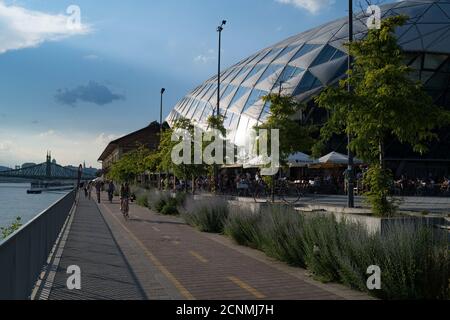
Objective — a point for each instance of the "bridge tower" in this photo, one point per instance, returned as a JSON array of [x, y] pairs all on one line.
[[48, 165]]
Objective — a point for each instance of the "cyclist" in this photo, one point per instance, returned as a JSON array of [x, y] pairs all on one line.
[[125, 199]]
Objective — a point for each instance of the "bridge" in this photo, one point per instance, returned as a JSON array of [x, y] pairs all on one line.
[[45, 171]]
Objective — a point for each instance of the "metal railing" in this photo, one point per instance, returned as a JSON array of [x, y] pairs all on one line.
[[25, 253]]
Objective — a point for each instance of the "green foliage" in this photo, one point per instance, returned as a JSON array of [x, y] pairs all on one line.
[[142, 200], [129, 166], [158, 199], [207, 215], [294, 136], [414, 261], [242, 226], [170, 208], [7, 231], [385, 102], [325, 242], [215, 122], [161, 160], [380, 180], [280, 234]]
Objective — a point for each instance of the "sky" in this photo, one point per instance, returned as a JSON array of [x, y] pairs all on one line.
[[71, 83]]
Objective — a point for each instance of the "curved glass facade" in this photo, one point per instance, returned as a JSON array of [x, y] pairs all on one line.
[[303, 65]]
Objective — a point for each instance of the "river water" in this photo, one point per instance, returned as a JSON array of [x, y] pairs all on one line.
[[15, 202]]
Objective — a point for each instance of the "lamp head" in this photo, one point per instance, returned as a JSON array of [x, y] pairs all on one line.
[[224, 22], [163, 90]]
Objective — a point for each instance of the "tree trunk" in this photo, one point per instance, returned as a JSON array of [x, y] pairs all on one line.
[[381, 153]]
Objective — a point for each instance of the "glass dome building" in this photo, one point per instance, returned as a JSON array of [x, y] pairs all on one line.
[[303, 65]]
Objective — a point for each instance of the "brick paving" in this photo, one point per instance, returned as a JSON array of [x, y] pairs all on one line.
[[157, 257], [187, 264], [105, 273]]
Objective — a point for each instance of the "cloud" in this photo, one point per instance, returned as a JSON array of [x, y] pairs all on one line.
[[104, 139], [207, 57], [91, 57], [47, 134], [22, 28], [5, 146], [93, 92], [312, 6]]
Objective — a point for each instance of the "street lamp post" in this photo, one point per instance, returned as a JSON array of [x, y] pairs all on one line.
[[160, 132], [219, 30], [350, 173]]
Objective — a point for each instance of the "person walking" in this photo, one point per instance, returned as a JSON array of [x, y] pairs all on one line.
[[98, 189], [85, 187], [89, 189], [111, 190]]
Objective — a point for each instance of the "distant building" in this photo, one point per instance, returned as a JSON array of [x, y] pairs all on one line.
[[148, 137]]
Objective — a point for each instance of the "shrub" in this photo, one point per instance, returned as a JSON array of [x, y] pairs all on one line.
[[169, 209], [207, 215], [158, 199], [414, 261], [242, 226], [7, 231], [280, 231], [379, 181], [142, 200]]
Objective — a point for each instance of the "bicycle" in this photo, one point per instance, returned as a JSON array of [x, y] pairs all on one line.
[[125, 208], [283, 189]]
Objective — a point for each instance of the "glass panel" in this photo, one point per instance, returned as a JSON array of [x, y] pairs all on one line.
[[338, 54], [327, 53], [196, 90], [255, 70], [289, 72], [208, 111], [305, 49], [192, 108], [242, 133], [274, 53], [265, 112], [228, 119], [272, 69], [204, 91], [308, 82], [199, 110], [183, 106], [433, 61], [239, 94], [255, 96], [228, 91], [341, 71], [230, 76], [243, 71], [286, 50], [212, 91], [234, 122]]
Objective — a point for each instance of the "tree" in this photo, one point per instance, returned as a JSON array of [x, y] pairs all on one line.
[[162, 161], [130, 165], [294, 137], [385, 103]]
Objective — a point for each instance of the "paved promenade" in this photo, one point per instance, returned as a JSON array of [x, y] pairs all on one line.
[[440, 205], [105, 272], [158, 257]]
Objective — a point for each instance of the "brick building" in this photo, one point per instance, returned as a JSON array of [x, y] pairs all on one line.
[[148, 137]]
